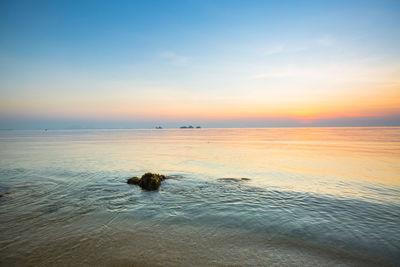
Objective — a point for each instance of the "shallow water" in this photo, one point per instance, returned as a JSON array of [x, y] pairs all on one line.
[[311, 196]]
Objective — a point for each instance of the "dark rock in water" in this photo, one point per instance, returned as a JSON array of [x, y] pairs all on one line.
[[133, 180], [148, 181], [151, 181]]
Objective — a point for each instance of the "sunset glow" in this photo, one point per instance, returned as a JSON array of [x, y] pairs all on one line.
[[262, 62]]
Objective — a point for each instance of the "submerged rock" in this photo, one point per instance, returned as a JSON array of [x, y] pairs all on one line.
[[148, 181], [6, 193], [233, 179]]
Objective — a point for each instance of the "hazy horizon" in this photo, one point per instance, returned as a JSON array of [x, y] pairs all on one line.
[[148, 125], [34, 124]]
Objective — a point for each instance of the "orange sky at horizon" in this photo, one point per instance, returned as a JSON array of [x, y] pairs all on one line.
[[167, 108]]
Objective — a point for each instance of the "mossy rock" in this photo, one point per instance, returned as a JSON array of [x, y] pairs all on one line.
[[133, 180], [148, 181]]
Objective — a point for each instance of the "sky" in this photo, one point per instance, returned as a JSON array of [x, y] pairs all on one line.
[[140, 64]]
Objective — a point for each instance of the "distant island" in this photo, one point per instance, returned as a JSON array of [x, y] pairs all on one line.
[[189, 127], [182, 127]]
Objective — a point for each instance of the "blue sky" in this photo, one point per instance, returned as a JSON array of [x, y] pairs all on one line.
[[231, 63]]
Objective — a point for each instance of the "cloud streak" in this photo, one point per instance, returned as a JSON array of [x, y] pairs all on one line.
[[279, 48], [324, 41], [286, 47], [175, 59]]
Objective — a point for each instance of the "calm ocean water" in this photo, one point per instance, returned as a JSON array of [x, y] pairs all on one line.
[[316, 196]]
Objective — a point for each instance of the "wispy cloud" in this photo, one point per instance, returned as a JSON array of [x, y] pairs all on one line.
[[343, 73], [324, 41], [287, 47], [274, 50], [175, 59]]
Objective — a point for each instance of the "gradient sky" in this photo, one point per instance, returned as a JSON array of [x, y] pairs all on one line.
[[138, 64]]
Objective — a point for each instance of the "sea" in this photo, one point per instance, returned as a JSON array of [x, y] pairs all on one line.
[[233, 197]]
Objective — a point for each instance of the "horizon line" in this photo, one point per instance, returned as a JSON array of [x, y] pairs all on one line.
[[189, 129]]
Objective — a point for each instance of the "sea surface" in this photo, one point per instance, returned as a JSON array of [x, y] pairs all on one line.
[[309, 197]]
